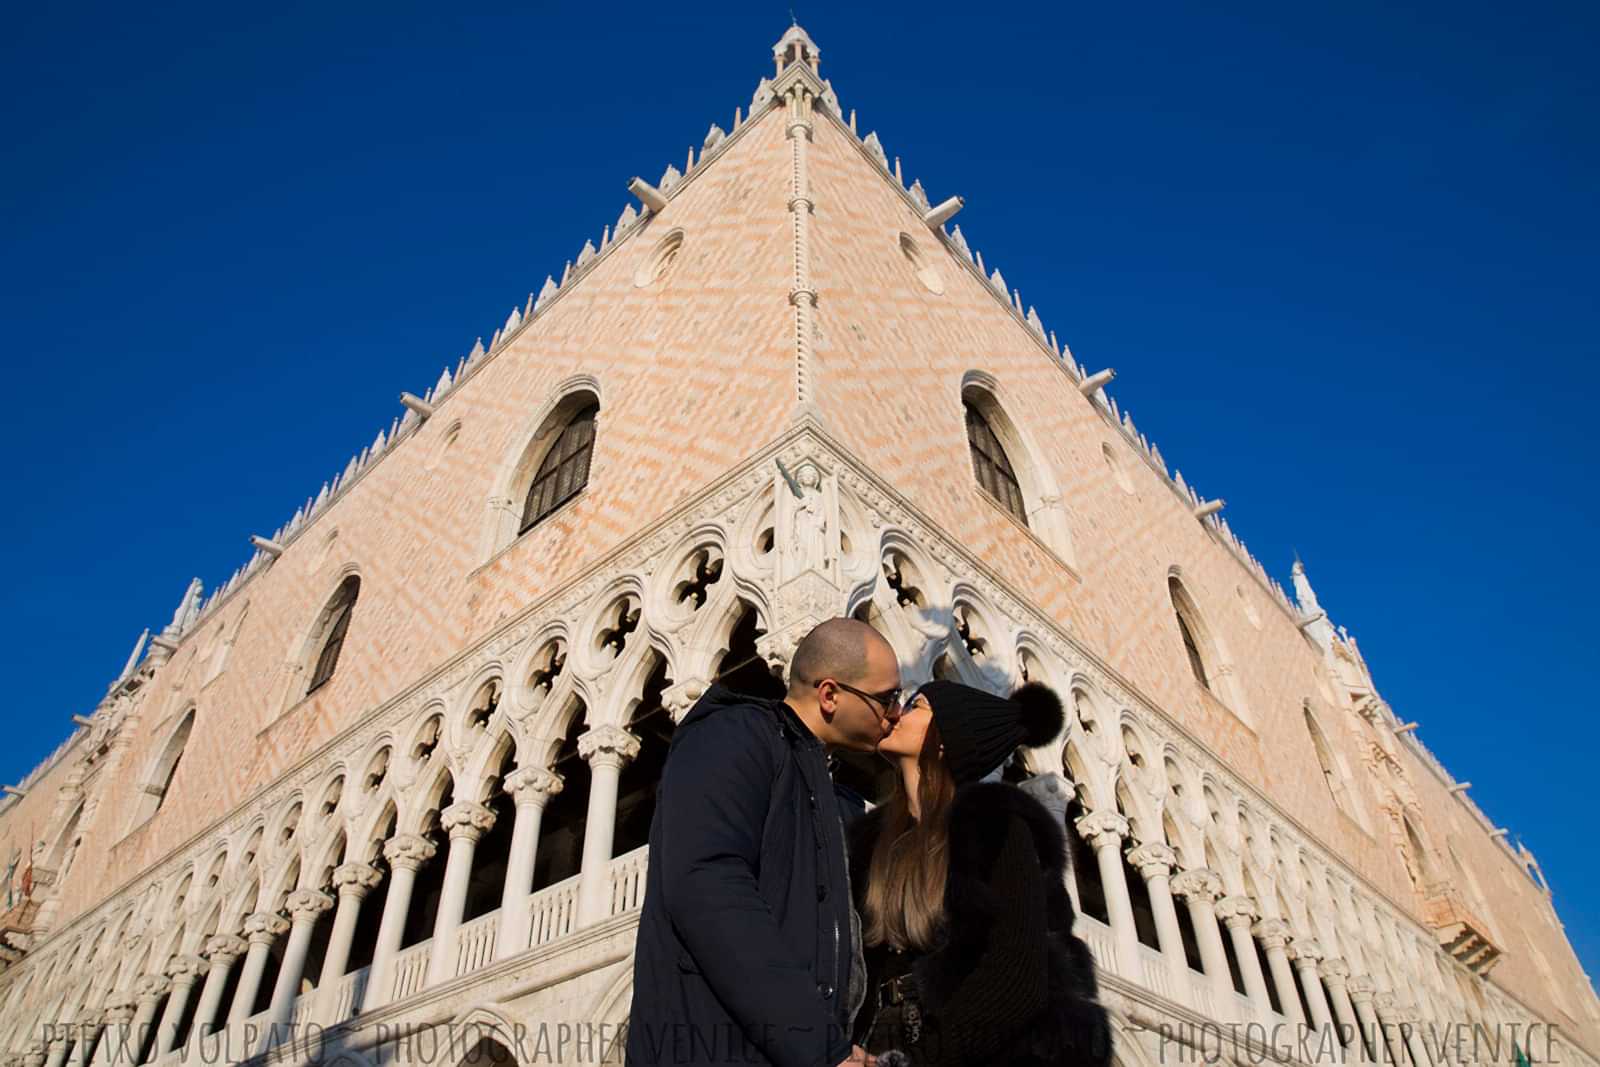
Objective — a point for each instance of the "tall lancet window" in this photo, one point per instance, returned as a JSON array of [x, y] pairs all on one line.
[[991, 465], [1183, 609], [564, 471], [336, 623]]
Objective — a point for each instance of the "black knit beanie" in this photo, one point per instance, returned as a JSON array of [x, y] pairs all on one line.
[[980, 730]]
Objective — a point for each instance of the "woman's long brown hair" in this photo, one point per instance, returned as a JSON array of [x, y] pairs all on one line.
[[904, 903]]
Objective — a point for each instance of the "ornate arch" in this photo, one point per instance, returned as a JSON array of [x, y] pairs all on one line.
[[159, 773], [532, 441], [1045, 514]]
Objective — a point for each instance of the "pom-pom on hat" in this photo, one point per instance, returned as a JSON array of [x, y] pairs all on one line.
[[980, 730]]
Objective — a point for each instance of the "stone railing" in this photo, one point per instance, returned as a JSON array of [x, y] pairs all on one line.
[[411, 969], [627, 880], [352, 990], [553, 912], [475, 943]]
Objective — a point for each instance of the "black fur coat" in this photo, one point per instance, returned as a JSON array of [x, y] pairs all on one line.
[[1009, 982]]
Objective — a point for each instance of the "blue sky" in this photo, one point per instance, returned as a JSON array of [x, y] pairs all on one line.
[[1342, 255]]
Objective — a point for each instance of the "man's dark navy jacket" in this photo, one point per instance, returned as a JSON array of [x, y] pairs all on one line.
[[744, 950]]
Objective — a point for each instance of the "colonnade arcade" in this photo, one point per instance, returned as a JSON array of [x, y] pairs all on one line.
[[504, 804]]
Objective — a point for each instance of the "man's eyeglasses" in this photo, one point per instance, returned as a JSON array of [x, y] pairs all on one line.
[[889, 699]]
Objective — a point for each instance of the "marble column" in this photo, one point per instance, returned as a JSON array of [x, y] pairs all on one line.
[[466, 822], [1392, 1025], [1105, 831], [1200, 889], [608, 749], [1421, 1051], [1361, 994], [531, 789], [1274, 936], [1154, 862], [260, 931], [185, 973], [56, 1055], [351, 882], [148, 990], [115, 1038], [304, 907], [92, 1028], [1237, 914], [1304, 953], [1336, 973], [406, 854], [221, 953]]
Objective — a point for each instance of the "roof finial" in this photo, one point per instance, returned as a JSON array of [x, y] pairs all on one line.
[[795, 46]]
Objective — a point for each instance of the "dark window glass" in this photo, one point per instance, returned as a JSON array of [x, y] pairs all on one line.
[[564, 471], [992, 467]]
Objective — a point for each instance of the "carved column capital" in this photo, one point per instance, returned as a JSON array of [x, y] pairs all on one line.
[[185, 969], [408, 851], [679, 697], [265, 927], [1305, 950], [1361, 989], [151, 987], [466, 818], [1102, 829], [1200, 884], [1153, 859], [1386, 1005], [1273, 933], [1237, 911], [607, 746], [223, 949], [355, 879], [533, 785], [1333, 969], [304, 905], [120, 1011]]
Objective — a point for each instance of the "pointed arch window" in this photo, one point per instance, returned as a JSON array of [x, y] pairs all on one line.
[[992, 466], [157, 780], [334, 629], [564, 471], [1325, 758], [1184, 611]]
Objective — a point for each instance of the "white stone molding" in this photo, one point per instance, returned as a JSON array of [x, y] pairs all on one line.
[[1197, 883], [356, 879], [1237, 911], [1153, 859], [1102, 828], [610, 745], [533, 785], [224, 949], [466, 819]]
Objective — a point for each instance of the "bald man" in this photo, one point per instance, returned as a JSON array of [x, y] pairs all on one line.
[[746, 952]]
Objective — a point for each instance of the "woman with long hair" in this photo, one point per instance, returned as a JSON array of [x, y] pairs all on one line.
[[959, 882]]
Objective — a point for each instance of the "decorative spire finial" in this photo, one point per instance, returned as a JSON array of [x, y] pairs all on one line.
[[796, 46]]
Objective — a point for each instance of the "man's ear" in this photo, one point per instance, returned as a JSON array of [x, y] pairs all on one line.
[[827, 699]]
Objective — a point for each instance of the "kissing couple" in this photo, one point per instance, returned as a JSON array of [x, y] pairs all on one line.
[[784, 924]]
